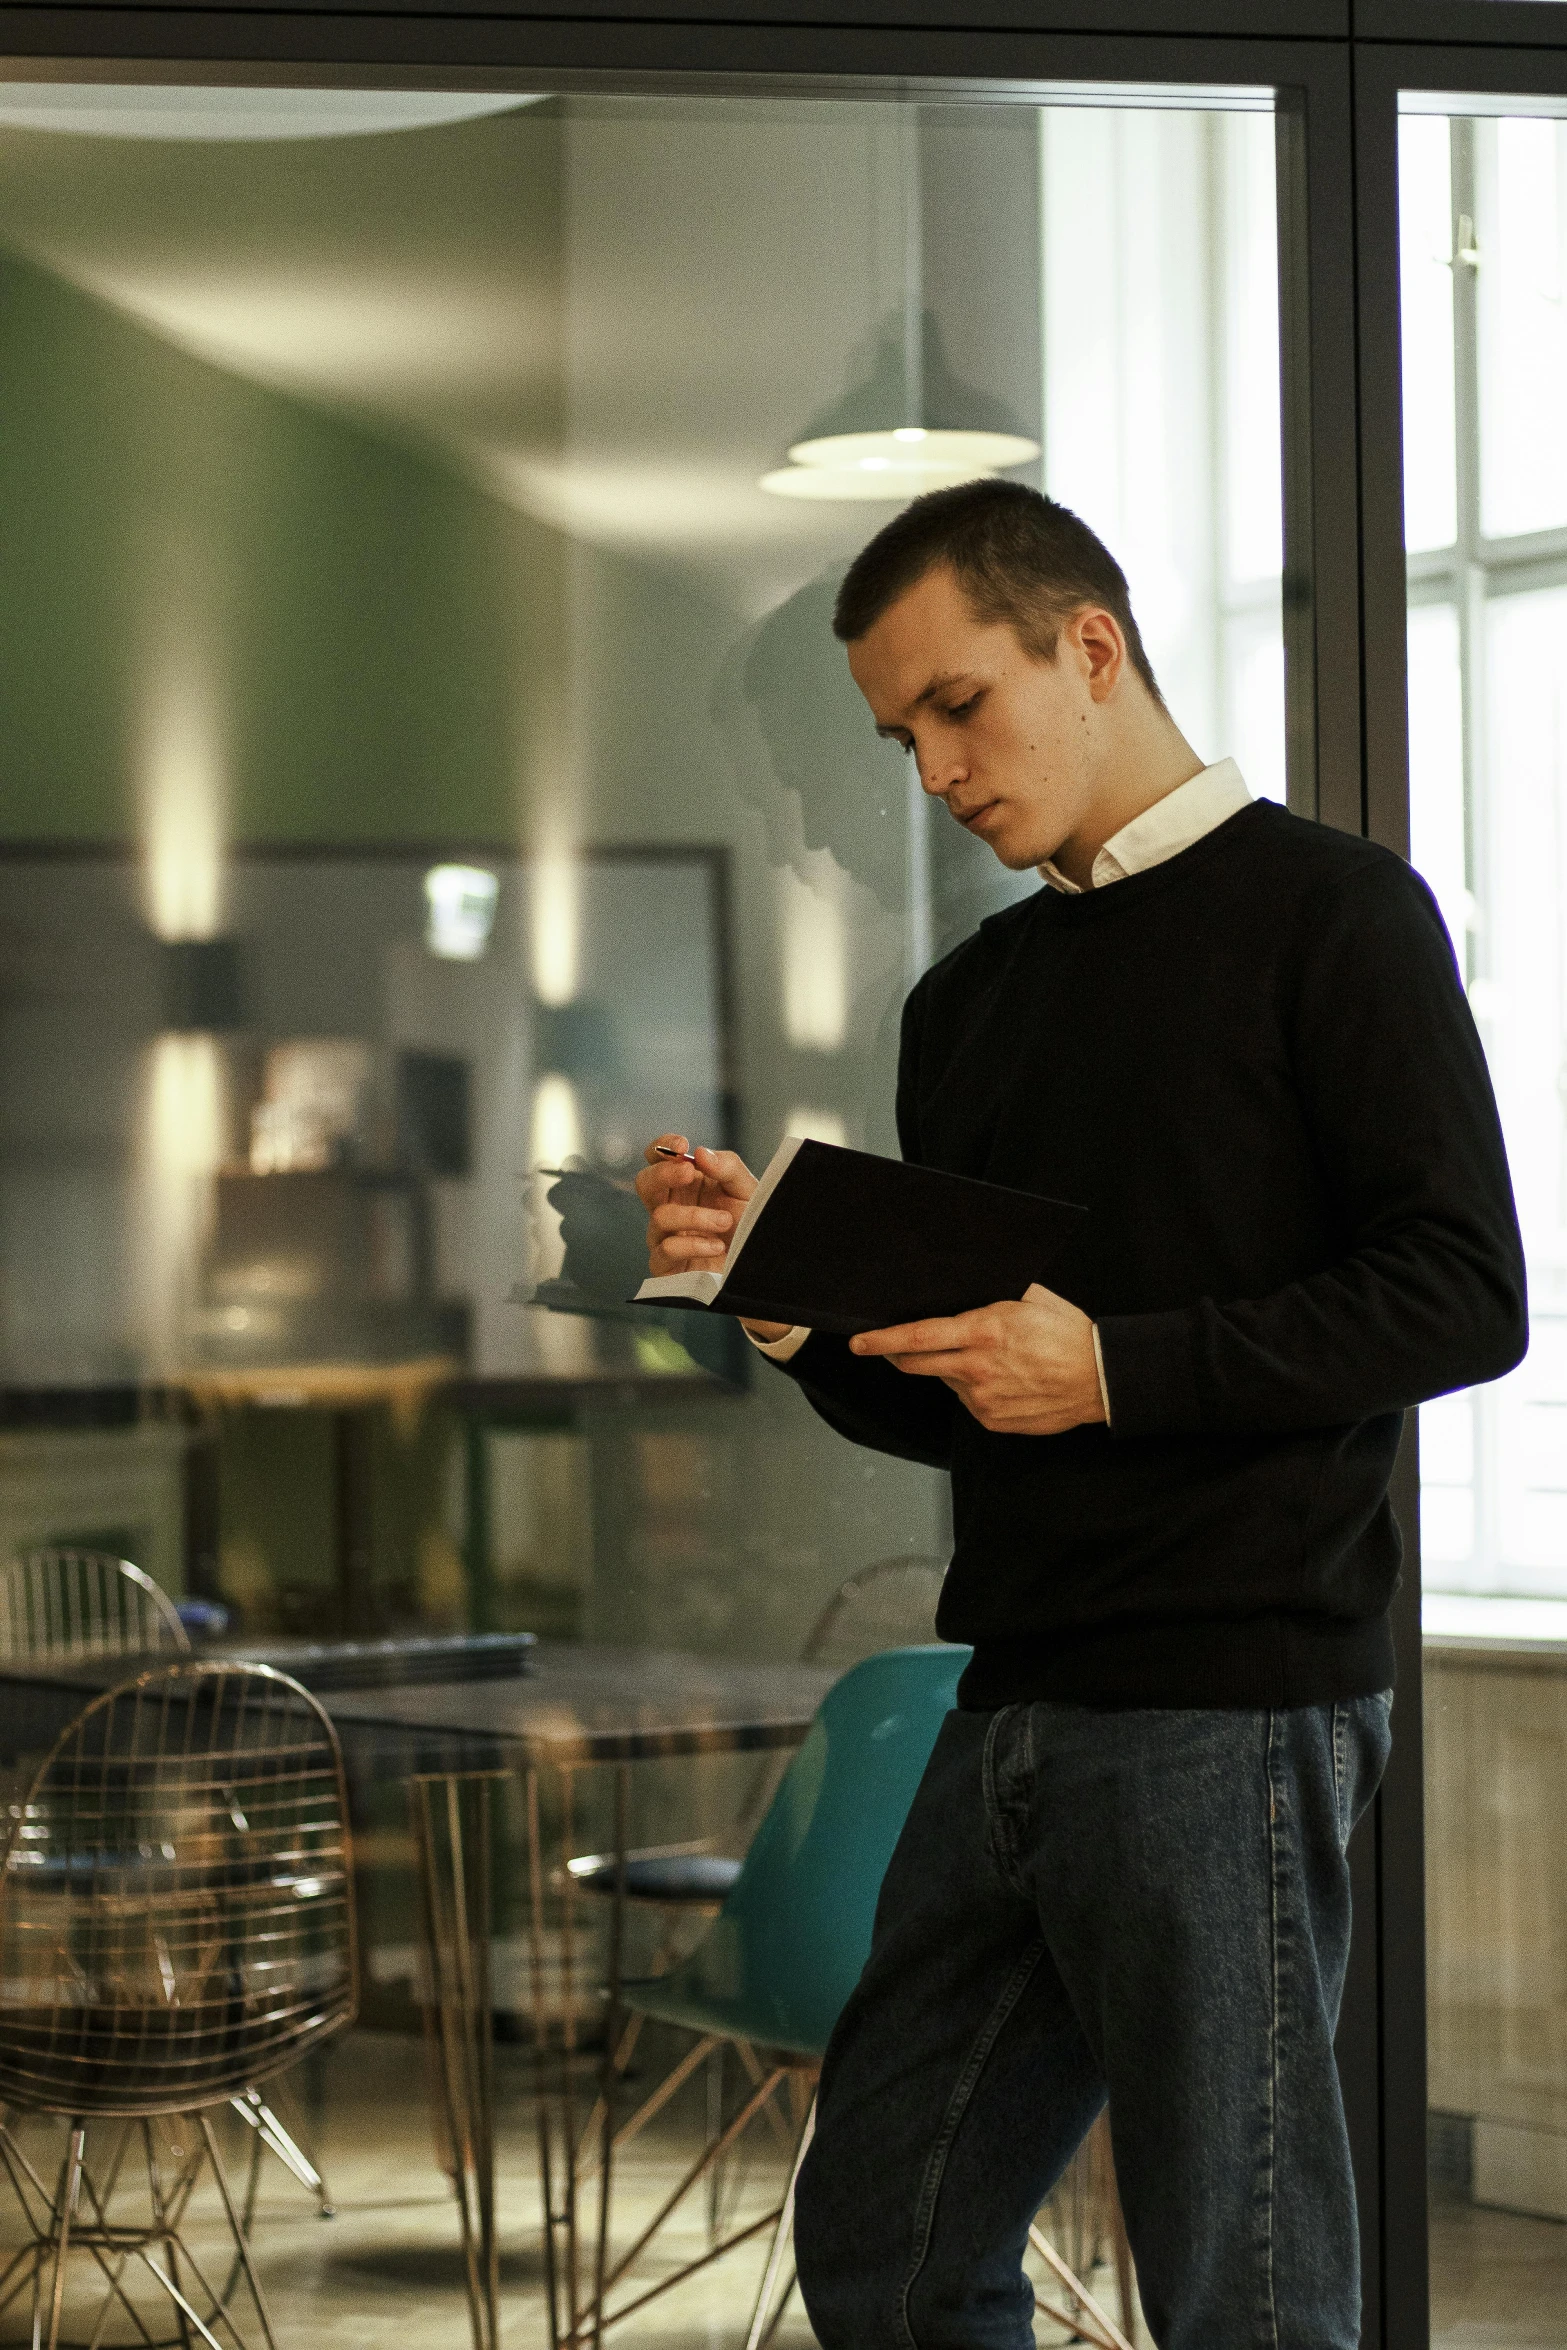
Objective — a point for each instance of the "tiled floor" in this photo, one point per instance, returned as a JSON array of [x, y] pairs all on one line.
[[385, 2274], [1498, 2281]]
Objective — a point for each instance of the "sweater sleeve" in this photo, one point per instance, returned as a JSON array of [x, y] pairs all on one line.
[[865, 1398], [1429, 1293]]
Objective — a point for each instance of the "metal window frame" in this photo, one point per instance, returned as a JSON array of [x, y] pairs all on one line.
[[1530, 24], [1380, 75]]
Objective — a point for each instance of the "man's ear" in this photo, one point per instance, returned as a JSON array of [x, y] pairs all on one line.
[[1102, 648]]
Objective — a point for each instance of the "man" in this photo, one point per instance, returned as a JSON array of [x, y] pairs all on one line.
[[1240, 1041]]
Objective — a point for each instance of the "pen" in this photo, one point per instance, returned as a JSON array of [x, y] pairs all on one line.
[[667, 1150]]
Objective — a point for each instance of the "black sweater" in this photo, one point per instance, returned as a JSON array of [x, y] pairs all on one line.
[[1255, 1066]]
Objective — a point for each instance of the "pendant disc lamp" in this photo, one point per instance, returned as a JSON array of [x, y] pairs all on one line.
[[864, 460]]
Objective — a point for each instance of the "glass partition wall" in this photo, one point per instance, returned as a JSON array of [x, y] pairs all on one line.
[[428, 763], [1483, 230], [406, 512]]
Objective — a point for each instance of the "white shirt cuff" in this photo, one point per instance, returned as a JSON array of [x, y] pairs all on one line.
[[1099, 1366], [780, 1350]]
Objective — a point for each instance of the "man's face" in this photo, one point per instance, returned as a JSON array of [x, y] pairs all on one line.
[[1007, 741]]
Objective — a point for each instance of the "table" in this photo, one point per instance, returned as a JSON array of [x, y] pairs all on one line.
[[587, 1706], [578, 1707]]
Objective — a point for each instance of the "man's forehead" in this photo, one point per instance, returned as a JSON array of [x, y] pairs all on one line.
[[942, 681], [907, 678]]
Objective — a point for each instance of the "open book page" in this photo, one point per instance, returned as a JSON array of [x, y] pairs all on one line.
[[701, 1288]]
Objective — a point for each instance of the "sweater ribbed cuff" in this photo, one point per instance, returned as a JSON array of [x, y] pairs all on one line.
[[780, 1350], [1150, 1370]]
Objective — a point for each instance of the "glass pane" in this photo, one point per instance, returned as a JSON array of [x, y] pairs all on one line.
[[429, 767], [1184, 370], [1425, 228], [1521, 237], [1438, 833], [1488, 821]]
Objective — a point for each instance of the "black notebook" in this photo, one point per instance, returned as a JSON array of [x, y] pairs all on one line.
[[844, 1241]]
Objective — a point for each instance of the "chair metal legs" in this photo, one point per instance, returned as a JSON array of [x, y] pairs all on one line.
[[1086, 2219], [66, 2208], [765, 2317], [87, 2217], [271, 2132]]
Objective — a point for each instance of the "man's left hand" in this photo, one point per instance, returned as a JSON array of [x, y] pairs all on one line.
[[1024, 1367]]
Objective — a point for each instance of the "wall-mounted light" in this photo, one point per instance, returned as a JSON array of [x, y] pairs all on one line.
[[557, 1122], [576, 1040], [815, 952], [557, 925], [460, 911], [203, 986], [818, 1126]]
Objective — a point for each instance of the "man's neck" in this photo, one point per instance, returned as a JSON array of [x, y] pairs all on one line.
[[1150, 759]]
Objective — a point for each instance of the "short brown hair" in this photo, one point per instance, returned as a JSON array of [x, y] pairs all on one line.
[[1017, 556]]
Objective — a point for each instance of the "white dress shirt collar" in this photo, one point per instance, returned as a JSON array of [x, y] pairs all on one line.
[[1170, 825]]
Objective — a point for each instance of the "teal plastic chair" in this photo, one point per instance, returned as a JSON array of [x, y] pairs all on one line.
[[787, 1947], [778, 1962]]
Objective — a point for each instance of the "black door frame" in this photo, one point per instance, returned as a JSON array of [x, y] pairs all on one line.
[[1381, 71], [1344, 542]]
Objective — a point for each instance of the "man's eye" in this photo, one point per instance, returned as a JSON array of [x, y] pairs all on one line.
[[962, 709]]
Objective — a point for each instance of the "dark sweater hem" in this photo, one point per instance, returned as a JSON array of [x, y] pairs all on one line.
[[1261, 1661]]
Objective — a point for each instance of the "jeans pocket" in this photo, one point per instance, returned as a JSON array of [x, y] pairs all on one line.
[[1362, 1741], [1007, 1775]]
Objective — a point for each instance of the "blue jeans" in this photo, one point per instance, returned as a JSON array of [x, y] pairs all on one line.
[[1152, 1906]]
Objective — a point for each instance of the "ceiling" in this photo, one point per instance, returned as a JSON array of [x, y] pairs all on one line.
[[613, 314]]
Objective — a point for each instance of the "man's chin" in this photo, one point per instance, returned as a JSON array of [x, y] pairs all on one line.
[[1018, 857]]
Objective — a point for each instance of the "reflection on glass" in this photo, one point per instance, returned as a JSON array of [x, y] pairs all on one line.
[[1485, 392], [1520, 239], [434, 704], [1438, 830], [1162, 397], [427, 760], [1426, 266]]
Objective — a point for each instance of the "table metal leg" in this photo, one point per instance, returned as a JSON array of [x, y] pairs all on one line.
[[541, 2080], [611, 2071], [451, 1820]]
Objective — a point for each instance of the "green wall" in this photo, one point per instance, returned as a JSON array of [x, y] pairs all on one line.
[[373, 636]]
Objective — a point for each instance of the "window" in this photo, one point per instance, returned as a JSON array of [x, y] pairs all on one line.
[[1484, 250]]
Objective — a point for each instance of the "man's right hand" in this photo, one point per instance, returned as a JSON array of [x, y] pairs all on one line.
[[693, 1211]]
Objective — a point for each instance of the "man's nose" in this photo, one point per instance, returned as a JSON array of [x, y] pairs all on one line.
[[938, 774]]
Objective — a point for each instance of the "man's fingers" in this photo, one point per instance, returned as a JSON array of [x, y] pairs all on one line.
[[689, 1235], [682, 1249], [675, 1216], [654, 1154], [913, 1338], [727, 1168], [667, 1177]]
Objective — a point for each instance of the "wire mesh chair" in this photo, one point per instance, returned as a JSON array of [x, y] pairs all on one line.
[[63, 1603], [60, 1603], [176, 1926]]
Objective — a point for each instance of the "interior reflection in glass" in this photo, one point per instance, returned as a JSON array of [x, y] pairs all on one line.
[[391, 499]]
